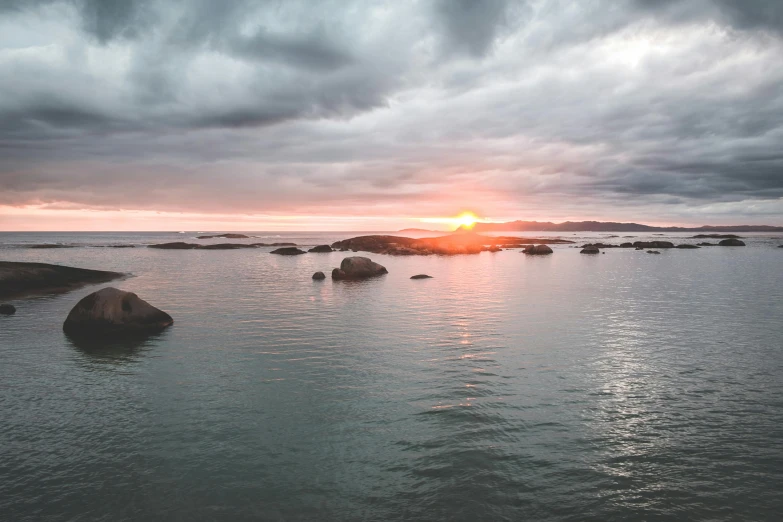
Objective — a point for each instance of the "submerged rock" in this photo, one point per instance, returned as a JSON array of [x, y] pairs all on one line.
[[653, 252], [686, 246], [358, 268], [590, 249], [114, 313], [321, 249], [706, 244], [538, 250], [48, 245], [731, 242], [318, 276], [7, 309], [226, 246], [421, 276], [288, 251]]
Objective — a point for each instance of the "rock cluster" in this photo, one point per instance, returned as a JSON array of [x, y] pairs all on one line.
[[538, 250]]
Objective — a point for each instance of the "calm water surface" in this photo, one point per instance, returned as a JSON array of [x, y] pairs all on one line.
[[622, 386]]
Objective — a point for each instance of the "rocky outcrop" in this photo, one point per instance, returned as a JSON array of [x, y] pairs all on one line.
[[358, 268], [687, 246], [653, 244], [421, 276], [653, 252], [319, 276], [538, 250], [7, 309], [272, 244], [288, 251], [455, 244], [224, 236], [706, 244], [626, 245], [177, 245], [321, 249], [590, 249], [716, 236], [48, 246], [114, 313], [731, 243], [22, 279]]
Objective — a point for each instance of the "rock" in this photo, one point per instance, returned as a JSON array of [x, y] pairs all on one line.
[[114, 313], [780, 246], [178, 245], [318, 276], [7, 309], [731, 242], [225, 236], [654, 244], [358, 268], [590, 249], [288, 251], [226, 246], [626, 245], [706, 244], [599, 245], [421, 276], [494, 248], [282, 244], [321, 249], [22, 279], [686, 246], [639, 248], [653, 252], [538, 250], [716, 236], [47, 245]]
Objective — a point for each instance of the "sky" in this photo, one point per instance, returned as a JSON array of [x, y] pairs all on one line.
[[372, 115]]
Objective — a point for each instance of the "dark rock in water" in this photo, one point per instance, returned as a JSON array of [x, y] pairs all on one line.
[[225, 236], [654, 244], [538, 250], [731, 242], [114, 313], [706, 244], [494, 248], [321, 249], [599, 245], [282, 244], [21, 279], [639, 248], [716, 236], [46, 245], [590, 249], [421, 276], [226, 246], [653, 252], [626, 245], [686, 246], [288, 251], [7, 309], [318, 276], [780, 246], [358, 268], [177, 245], [122, 246]]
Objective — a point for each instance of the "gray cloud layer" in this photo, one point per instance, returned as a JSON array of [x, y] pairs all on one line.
[[648, 108]]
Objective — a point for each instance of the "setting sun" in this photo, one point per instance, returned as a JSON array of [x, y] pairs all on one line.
[[466, 219]]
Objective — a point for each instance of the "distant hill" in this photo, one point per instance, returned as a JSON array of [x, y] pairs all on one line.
[[601, 226]]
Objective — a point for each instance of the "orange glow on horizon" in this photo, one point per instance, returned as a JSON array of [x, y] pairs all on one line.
[[465, 219]]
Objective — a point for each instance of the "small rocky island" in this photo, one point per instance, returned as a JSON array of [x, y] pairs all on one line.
[[454, 244], [24, 279], [358, 268]]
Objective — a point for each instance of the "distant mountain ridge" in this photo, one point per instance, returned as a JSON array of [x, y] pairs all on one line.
[[607, 226]]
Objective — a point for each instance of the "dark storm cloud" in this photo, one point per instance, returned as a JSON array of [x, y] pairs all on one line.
[[253, 106]]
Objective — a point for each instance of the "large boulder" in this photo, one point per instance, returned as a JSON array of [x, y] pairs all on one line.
[[358, 268], [731, 242], [590, 249], [114, 313], [321, 249], [288, 251], [538, 250], [7, 309]]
